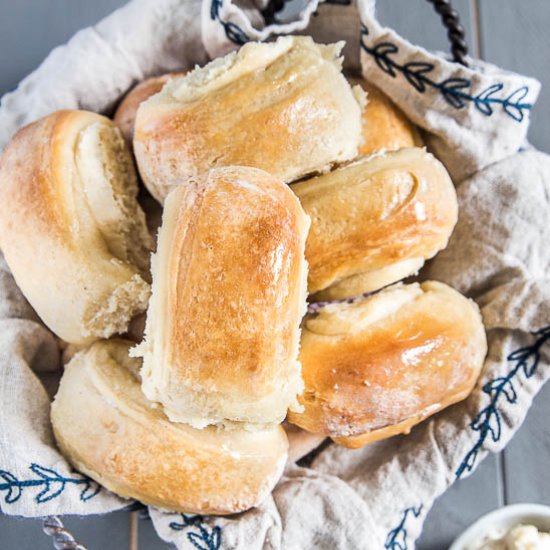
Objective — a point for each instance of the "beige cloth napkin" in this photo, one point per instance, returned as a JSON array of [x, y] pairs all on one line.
[[474, 119]]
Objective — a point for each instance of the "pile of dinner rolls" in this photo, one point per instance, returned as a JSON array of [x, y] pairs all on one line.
[[188, 415]]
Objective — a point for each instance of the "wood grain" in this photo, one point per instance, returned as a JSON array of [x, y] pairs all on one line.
[[515, 36], [417, 21], [526, 459], [30, 29], [461, 505]]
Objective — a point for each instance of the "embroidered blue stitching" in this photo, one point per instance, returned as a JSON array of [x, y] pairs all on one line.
[[232, 31], [51, 482], [202, 540], [455, 91], [397, 537], [488, 421]]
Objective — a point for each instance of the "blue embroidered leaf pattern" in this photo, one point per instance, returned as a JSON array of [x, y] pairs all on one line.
[[90, 490], [187, 521], [382, 51], [50, 483], [488, 422], [201, 539], [527, 360], [414, 73], [491, 90], [397, 538], [45, 473], [204, 541], [50, 491], [470, 461], [452, 91], [197, 541], [53, 486], [483, 104], [13, 490], [512, 104], [215, 9], [235, 33], [456, 91], [232, 31], [216, 538], [501, 384], [493, 425], [509, 392]]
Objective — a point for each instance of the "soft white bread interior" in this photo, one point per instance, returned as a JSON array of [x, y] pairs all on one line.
[[376, 367], [229, 291], [108, 430], [71, 229], [385, 127], [125, 115], [284, 107], [375, 221]]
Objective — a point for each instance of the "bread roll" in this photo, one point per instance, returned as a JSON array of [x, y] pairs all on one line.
[[283, 107], [300, 442], [229, 289], [71, 229], [125, 115], [376, 367], [385, 127], [375, 221], [108, 430]]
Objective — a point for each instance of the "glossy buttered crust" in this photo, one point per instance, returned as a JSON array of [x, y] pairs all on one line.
[[375, 221], [283, 107], [385, 127], [71, 229], [229, 284], [376, 367], [108, 430], [125, 115]]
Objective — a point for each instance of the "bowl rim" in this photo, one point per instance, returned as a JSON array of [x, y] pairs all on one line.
[[512, 512]]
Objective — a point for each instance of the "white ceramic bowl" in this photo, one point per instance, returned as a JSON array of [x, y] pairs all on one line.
[[504, 518]]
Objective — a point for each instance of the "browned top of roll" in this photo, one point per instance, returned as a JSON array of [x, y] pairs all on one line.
[[125, 115], [228, 296], [71, 229], [375, 213], [385, 127], [402, 354], [108, 430], [283, 107]]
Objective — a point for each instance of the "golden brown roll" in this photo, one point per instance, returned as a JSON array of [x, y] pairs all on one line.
[[108, 430], [385, 127], [375, 221], [229, 289], [125, 115], [71, 229], [376, 367], [283, 107]]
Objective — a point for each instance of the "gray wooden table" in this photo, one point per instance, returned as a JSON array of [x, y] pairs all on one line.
[[511, 33]]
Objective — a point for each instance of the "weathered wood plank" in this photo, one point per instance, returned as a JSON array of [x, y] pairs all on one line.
[[417, 21], [108, 532], [22, 533], [515, 36], [461, 505], [527, 457], [30, 29], [148, 538]]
